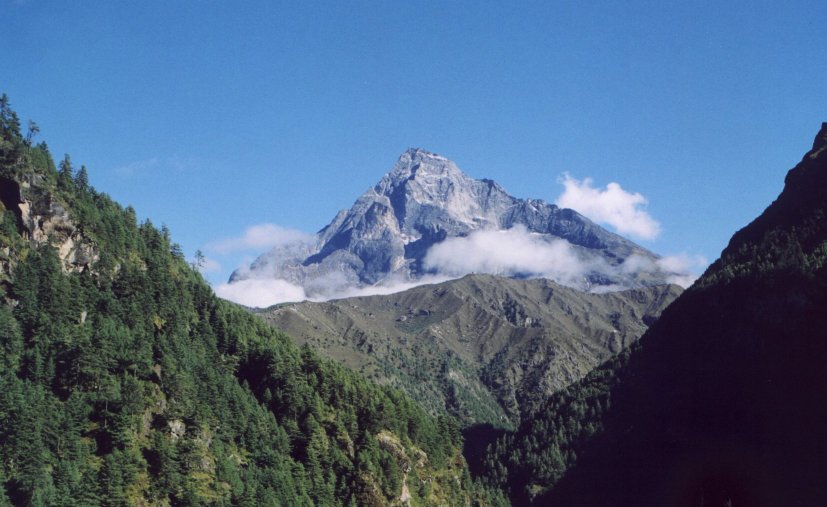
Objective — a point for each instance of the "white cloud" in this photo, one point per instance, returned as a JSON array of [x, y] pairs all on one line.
[[681, 269], [684, 280], [208, 265], [388, 286], [260, 292], [261, 236], [682, 262], [636, 263], [508, 253], [512, 252], [264, 292], [625, 211]]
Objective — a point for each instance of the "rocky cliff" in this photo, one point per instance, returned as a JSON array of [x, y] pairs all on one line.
[[43, 218]]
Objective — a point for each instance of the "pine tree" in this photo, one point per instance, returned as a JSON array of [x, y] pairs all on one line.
[[65, 179]]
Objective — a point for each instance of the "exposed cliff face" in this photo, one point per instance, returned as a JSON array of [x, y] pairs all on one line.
[[43, 219], [425, 199]]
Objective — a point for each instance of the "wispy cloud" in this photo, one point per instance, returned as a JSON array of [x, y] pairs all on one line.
[[328, 288], [392, 286], [206, 265], [624, 211], [681, 269], [259, 237], [519, 252], [174, 163]]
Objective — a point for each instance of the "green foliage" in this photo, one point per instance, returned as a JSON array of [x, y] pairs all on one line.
[[533, 458], [129, 382], [12, 146]]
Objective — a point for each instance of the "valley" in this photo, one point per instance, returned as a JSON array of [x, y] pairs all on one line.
[[125, 380]]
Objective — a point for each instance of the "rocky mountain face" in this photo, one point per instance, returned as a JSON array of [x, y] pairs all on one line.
[[426, 199], [42, 218], [487, 349], [721, 401]]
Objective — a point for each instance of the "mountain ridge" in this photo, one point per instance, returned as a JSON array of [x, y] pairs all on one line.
[[424, 200], [487, 349]]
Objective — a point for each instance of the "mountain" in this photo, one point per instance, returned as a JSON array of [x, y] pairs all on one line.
[[125, 381], [721, 402], [388, 234], [487, 349]]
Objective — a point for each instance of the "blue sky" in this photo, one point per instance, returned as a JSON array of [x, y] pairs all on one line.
[[211, 117]]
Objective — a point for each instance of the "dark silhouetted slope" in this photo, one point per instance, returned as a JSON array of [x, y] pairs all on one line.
[[722, 400]]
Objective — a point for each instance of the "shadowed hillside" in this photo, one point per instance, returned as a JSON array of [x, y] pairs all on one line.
[[721, 401]]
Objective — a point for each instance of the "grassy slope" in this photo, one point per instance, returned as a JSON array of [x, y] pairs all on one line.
[[488, 349]]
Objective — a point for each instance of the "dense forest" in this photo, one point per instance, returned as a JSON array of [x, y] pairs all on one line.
[[125, 381], [720, 402]]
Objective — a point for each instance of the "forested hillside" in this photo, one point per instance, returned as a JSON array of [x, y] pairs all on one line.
[[485, 349], [721, 402], [125, 381]]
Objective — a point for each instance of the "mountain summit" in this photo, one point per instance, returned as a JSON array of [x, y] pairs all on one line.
[[391, 231]]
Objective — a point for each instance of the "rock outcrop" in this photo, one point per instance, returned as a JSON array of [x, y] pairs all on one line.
[[43, 219]]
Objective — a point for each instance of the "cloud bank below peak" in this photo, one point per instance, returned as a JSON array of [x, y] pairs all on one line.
[[265, 292], [512, 252], [260, 292]]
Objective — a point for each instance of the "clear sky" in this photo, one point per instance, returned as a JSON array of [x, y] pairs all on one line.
[[211, 117]]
